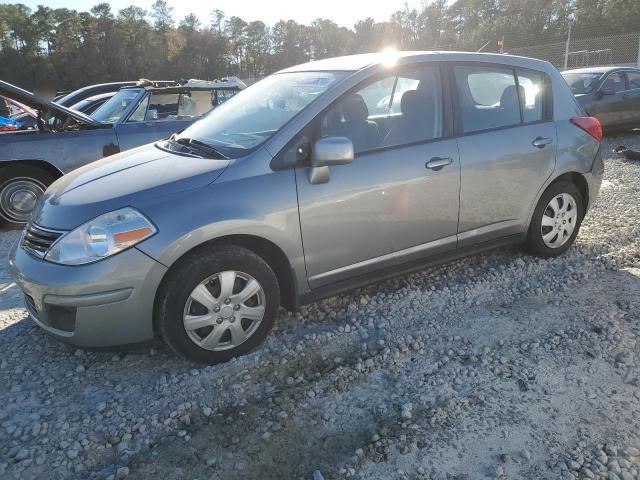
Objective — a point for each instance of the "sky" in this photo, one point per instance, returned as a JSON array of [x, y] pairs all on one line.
[[343, 12]]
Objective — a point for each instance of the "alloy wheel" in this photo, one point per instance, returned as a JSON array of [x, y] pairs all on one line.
[[224, 310], [559, 220]]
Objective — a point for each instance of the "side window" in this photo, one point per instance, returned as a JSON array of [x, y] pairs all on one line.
[[377, 96], [394, 111], [402, 85], [533, 86], [615, 81], [163, 106], [140, 112], [358, 115], [195, 104], [488, 97], [634, 79], [223, 94]]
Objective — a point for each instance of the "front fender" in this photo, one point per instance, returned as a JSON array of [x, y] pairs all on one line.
[[263, 206]]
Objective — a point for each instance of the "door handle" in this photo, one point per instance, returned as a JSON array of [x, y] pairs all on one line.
[[541, 142], [436, 163]]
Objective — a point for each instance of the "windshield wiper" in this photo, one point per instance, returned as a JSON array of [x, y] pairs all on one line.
[[199, 146]]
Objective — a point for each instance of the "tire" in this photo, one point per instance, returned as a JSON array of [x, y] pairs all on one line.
[[20, 188], [564, 223], [217, 339]]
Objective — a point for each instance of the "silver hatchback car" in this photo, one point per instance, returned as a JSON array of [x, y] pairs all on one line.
[[320, 178]]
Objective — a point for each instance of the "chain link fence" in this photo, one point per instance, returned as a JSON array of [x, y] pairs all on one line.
[[623, 50], [587, 52]]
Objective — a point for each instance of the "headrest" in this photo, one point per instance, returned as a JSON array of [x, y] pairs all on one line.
[[354, 109], [509, 97], [414, 104]]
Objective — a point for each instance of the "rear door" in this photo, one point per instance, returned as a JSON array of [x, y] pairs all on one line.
[[507, 143]]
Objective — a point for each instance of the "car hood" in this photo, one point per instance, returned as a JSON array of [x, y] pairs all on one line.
[[130, 178], [37, 103]]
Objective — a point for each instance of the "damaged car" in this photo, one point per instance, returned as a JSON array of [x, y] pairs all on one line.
[[65, 139]]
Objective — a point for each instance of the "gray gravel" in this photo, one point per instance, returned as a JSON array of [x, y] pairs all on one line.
[[497, 366]]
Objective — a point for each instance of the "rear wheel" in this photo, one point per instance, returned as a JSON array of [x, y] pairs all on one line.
[[556, 220], [20, 188], [218, 304]]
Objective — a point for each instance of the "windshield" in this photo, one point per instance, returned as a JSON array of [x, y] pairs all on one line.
[[112, 109], [581, 82], [249, 118]]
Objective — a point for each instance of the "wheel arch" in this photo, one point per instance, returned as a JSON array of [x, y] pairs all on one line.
[[266, 249], [579, 181], [41, 164], [577, 178]]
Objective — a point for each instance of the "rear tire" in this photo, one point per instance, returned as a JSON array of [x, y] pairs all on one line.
[[201, 309], [556, 220], [20, 188]]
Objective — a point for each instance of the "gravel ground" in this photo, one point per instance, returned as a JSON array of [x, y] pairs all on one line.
[[496, 366]]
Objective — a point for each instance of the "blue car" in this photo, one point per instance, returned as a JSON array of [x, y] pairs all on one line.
[[9, 122], [65, 139]]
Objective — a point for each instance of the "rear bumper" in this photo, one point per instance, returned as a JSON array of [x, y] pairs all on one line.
[[103, 304], [594, 178]]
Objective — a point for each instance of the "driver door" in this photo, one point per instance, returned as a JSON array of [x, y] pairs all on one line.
[[391, 205]]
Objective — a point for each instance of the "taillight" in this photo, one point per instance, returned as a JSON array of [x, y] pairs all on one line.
[[591, 125]]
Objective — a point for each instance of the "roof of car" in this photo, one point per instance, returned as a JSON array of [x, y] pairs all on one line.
[[173, 89], [598, 69], [233, 83], [352, 63]]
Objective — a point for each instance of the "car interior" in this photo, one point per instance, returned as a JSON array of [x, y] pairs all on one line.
[[371, 119], [614, 82], [408, 109]]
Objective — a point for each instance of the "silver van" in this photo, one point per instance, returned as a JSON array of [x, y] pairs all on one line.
[[318, 179]]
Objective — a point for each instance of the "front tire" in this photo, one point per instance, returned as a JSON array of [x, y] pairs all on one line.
[[20, 188], [217, 304], [556, 220]]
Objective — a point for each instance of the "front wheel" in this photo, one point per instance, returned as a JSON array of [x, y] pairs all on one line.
[[556, 220], [217, 304], [20, 188]]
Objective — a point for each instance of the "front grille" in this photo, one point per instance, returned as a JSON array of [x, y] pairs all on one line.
[[37, 240]]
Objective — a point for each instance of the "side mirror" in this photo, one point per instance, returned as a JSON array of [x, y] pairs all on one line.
[[607, 91], [327, 152]]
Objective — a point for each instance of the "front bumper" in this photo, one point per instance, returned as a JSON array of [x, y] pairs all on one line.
[[102, 304]]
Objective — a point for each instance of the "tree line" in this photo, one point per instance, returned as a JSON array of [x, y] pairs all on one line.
[[66, 49]]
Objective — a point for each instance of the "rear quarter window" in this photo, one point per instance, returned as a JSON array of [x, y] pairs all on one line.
[[500, 96], [634, 80]]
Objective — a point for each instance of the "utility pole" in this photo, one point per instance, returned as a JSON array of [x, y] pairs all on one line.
[[566, 49]]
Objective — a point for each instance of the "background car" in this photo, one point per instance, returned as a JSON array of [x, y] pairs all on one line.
[[67, 139], [611, 94], [75, 96], [16, 116], [91, 104]]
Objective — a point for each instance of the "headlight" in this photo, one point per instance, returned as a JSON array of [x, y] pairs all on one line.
[[101, 237]]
